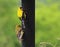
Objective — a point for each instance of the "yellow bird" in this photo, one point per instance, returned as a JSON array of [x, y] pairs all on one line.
[[20, 13]]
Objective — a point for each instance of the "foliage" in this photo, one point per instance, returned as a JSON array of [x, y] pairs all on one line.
[[47, 21], [8, 21]]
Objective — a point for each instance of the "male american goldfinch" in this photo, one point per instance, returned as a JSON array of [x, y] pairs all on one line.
[[21, 14]]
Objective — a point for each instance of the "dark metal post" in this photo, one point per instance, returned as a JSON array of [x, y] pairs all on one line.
[[29, 35]]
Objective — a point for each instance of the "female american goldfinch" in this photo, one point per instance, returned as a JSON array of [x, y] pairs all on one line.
[[19, 32]]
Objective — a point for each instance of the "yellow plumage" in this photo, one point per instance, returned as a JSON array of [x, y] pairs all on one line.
[[20, 12]]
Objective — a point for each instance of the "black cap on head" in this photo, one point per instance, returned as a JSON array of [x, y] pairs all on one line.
[[21, 8]]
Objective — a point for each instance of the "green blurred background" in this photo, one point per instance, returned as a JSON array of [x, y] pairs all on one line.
[[47, 22], [8, 21]]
